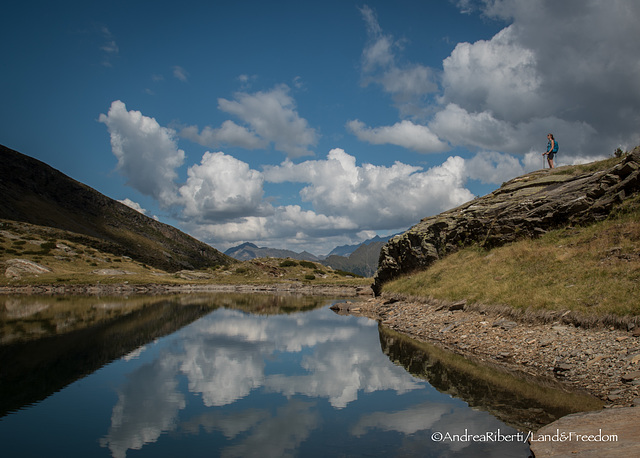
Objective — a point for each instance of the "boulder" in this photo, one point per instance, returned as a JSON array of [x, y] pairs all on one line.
[[16, 268], [611, 433]]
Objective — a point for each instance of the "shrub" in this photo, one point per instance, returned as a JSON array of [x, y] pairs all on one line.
[[309, 277], [288, 263], [46, 247], [346, 274], [308, 264]]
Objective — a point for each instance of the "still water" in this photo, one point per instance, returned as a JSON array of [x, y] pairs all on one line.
[[240, 376]]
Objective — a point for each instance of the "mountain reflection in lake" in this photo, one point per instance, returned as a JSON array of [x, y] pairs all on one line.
[[238, 381]]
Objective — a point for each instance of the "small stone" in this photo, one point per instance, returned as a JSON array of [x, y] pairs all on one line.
[[451, 327], [562, 367], [457, 306], [505, 324], [634, 358], [630, 376]]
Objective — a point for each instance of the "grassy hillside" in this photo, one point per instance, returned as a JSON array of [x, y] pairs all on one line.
[[39, 255], [594, 270], [35, 193]]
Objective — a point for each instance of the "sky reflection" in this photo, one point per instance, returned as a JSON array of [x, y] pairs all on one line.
[[229, 354], [237, 384]]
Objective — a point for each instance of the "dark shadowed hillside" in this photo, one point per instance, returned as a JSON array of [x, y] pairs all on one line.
[[35, 193]]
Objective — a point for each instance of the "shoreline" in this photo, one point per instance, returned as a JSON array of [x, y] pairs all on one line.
[[155, 289], [604, 362]]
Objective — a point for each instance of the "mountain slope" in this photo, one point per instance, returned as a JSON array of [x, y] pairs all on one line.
[[347, 250], [35, 193], [363, 261]]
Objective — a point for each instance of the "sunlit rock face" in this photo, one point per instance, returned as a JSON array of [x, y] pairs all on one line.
[[527, 206]]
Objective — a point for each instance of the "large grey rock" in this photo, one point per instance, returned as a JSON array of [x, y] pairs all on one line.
[[527, 206], [17, 267], [611, 433]]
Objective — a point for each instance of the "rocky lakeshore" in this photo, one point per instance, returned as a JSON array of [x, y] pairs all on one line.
[[151, 289], [605, 362]]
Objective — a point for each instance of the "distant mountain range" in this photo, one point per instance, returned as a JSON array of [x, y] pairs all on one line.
[[248, 251], [35, 193], [361, 259], [346, 250]]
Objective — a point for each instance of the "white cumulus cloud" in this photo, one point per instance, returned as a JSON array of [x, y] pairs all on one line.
[[270, 117], [570, 67], [222, 187], [348, 201], [147, 153], [405, 133], [562, 67], [407, 84], [375, 197], [229, 133]]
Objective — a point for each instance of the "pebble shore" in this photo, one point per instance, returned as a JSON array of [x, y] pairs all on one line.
[[605, 362]]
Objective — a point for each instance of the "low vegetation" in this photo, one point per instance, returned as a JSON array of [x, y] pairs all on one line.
[[593, 270], [73, 259]]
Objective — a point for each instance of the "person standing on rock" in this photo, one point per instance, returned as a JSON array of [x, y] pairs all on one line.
[[552, 149]]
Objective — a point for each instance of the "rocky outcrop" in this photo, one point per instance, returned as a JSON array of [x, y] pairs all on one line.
[[527, 206], [17, 267]]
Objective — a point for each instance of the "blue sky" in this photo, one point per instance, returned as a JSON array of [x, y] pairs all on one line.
[[311, 124]]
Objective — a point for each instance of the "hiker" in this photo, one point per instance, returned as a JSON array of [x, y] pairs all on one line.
[[552, 149]]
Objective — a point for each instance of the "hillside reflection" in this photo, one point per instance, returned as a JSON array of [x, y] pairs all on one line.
[[524, 404], [47, 343]]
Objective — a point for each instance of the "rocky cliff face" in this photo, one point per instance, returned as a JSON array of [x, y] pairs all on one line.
[[527, 206]]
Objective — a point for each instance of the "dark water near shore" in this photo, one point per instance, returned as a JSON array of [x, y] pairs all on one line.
[[243, 375]]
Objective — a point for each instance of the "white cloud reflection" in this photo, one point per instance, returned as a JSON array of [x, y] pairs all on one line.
[[230, 355], [224, 358]]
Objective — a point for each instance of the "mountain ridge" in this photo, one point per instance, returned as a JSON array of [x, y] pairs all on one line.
[[36, 193], [360, 259]]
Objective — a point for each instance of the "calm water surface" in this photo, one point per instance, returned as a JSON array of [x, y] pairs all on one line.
[[234, 376]]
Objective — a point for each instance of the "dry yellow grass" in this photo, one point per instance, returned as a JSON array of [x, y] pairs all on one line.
[[593, 270]]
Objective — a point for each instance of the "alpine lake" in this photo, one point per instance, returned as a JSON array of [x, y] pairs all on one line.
[[243, 375]]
